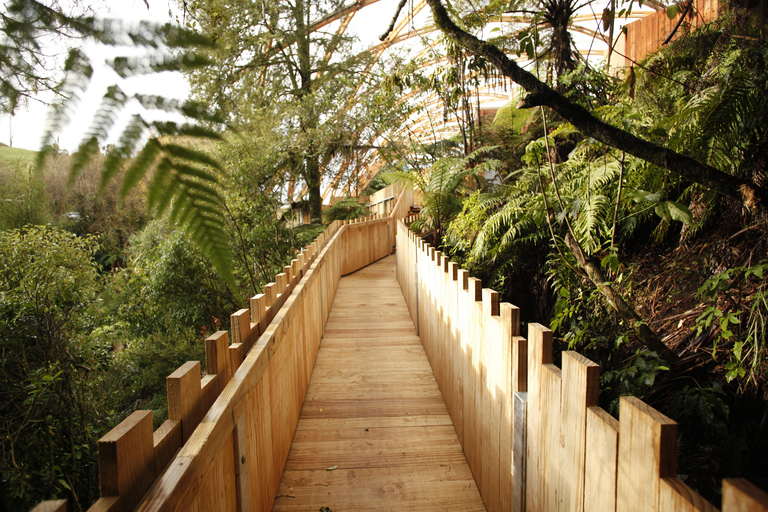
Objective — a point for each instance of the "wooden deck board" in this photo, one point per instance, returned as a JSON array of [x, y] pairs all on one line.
[[374, 432]]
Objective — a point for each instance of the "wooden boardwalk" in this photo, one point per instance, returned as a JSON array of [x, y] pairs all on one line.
[[374, 432]]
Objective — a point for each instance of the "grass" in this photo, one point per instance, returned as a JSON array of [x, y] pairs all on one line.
[[15, 157]]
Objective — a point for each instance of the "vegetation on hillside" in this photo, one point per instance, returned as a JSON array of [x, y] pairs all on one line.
[[656, 274]]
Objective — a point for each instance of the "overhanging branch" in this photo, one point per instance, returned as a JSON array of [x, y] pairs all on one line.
[[728, 185]]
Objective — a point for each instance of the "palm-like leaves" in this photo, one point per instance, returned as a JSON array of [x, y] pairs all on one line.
[[184, 181], [443, 184]]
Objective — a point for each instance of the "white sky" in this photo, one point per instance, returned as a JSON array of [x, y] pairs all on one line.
[[28, 124]]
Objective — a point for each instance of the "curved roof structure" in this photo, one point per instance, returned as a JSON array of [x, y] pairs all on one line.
[[413, 35]]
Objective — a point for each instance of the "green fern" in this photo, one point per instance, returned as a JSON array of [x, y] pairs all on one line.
[[182, 182]]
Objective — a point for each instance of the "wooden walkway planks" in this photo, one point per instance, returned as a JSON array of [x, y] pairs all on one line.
[[373, 413]]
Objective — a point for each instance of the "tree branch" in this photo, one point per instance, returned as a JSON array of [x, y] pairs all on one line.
[[750, 194], [394, 20]]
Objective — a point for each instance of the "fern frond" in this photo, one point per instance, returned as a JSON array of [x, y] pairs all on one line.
[[191, 154], [140, 166], [78, 71], [124, 148], [127, 67], [186, 130]]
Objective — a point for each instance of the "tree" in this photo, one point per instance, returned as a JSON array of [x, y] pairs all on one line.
[[51, 418], [441, 186], [274, 58]]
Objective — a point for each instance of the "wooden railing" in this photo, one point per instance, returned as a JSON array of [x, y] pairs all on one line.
[[227, 438], [646, 34], [533, 433]]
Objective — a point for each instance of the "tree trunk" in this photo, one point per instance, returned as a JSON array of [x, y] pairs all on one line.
[[595, 274], [313, 185], [750, 194]]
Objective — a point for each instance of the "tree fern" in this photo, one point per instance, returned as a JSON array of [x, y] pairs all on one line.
[[182, 182]]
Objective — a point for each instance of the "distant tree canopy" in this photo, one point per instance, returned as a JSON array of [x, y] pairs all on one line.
[[275, 64]]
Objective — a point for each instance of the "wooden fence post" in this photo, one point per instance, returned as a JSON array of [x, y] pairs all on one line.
[[127, 460], [647, 453], [183, 387]]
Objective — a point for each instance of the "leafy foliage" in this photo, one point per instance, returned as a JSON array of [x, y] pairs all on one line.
[[184, 181], [51, 415], [441, 186], [346, 209]]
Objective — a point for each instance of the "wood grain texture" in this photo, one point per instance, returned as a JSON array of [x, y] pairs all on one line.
[[581, 388], [539, 354], [374, 432], [183, 390], [127, 460], [741, 496], [217, 358], [167, 441], [647, 453], [51, 506], [676, 496], [602, 447]]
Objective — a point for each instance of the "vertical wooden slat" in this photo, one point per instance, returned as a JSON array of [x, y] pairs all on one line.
[[217, 358], [600, 463], [581, 388], [262, 303], [475, 309], [741, 496], [539, 354], [519, 451], [489, 399], [509, 316], [166, 440], [257, 306], [241, 461], [240, 322], [551, 392], [647, 453], [127, 460], [236, 355], [183, 388]]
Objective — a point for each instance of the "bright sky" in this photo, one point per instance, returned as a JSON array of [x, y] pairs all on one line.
[[26, 128], [28, 124]]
